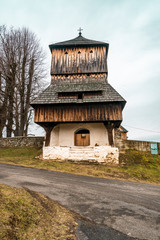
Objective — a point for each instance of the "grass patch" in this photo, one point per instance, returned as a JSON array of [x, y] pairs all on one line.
[[27, 215], [19, 153], [134, 165], [141, 165]]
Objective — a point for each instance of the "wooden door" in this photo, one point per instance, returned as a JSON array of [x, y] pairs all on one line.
[[82, 139]]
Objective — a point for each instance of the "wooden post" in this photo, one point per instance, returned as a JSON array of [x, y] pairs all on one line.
[[48, 130], [109, 126], [48, 134]]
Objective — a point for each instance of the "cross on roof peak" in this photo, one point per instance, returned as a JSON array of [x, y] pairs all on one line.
[[80, 31]]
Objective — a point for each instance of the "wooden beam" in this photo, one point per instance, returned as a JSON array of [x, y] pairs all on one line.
[[48, 135], [79, 60], [48, 128], [78, 112], [110, 126]]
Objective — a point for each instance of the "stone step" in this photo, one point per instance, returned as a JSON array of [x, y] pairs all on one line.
[[89, 146], [81, 152], [84, 152], [82, 149], [81, 158]]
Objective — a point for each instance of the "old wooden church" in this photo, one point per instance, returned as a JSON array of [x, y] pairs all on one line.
[[79, 110]]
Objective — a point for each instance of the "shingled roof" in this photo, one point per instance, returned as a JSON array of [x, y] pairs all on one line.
[[50, 94], [80, 87], [77, 42]]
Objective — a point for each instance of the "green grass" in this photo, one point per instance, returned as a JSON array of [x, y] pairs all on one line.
[[134, 165], [26, 215], [141, 165], [19, 153]]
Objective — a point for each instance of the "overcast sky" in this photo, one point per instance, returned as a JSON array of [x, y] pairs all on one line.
[[131, 27]]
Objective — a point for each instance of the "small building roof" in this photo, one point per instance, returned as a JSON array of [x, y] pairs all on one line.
[[79, 41], [50, 94], [122, 129]]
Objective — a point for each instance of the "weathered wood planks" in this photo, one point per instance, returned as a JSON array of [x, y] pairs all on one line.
[[78, 112], [79, 60]]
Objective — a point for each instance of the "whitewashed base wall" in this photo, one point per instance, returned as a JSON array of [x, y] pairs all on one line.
[[101, 154]]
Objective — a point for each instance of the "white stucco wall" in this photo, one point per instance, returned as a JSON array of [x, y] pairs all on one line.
[[101, 154], [63, 134], [62, 144]]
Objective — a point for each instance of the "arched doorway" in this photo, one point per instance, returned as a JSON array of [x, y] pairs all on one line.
[[82, 137]]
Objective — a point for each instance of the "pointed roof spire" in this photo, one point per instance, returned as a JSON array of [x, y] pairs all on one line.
[[80, 31], [78, 41]]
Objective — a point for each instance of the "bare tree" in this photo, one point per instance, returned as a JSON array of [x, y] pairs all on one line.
[[22, 71]]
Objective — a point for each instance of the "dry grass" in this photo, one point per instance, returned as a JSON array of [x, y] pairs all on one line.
[[134, 165], [26, 215]]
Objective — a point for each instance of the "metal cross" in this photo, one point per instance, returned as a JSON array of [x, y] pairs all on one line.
[[80, 31]]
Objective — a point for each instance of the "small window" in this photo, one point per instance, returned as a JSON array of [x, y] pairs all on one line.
[[82, 131], [79, 52], [66, 52], [66, 75], [67, 95], [92, 94], [80, 95], [91, 51]]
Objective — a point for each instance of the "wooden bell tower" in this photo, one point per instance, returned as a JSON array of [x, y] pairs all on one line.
[[79, 92]]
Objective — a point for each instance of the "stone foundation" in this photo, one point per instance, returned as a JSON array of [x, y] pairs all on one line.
[[100, 154], [124, 145]]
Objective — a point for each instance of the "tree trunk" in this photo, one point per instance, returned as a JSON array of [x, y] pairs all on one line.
[[27, 115], [10, 106], [22, 96]]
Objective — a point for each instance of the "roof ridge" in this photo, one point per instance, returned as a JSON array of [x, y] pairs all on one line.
[[78, 41]]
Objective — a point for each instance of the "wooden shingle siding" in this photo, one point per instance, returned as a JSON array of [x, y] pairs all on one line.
[[79, 60], [79, 112]]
